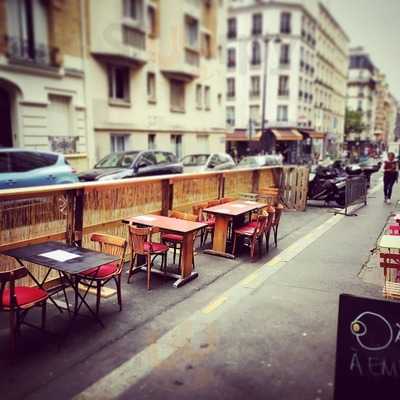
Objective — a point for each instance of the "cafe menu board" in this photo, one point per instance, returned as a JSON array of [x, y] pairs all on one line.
[[368, 349]]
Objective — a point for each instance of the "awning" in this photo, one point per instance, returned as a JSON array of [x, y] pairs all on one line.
[[316, 135], [291, 135], [242, 137]]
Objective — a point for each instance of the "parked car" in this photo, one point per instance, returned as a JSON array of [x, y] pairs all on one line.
[[22, 167], [207, 162], [259, 161], [130, 164]]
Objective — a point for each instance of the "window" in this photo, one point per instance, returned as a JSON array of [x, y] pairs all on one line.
[[147, 159], [255, 114], [152, 21], [232, 28], [22, 161], [202, 144], [199, 97], [176, 141], [359, 106], [230, 116], [27, 31], [255, 53], [151, 141], [191, 32], [257, 24], [286, 22], [282, 113], [283, 89], [118, 83], [118, 143], [207, 98], [163, 157], [254, 86], [230, 83], [151, 87], [177, 95], [133, 9], [284, 55], [206, 45], [231, 58], [59, 115]]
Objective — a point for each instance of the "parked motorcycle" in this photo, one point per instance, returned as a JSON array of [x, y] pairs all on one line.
[[327, 184]]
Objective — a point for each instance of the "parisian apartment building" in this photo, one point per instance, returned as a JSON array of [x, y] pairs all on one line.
[[369, 94], [296, 53], [89, 77]]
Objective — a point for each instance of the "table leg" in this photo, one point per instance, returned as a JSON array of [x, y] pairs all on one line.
[[220, 237], [187, 273]]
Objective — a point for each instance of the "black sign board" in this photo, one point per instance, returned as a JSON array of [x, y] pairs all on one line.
[[368, 349]]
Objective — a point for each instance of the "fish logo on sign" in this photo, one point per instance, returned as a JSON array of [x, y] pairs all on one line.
[[369, 326]]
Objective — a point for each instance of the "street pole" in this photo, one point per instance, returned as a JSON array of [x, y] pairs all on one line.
[[264, 98]]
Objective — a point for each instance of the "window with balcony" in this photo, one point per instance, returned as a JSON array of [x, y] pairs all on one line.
[[283, 88], [284, 56], [207, 97], [199, 97], [232, 28], [230, 116], [286, 27], [191, 32], [255, 53], [27, 33], [230, 83], [254, 86], [177, 96], [231, 58], [118, 83], [257, 24], [151, 87], [282, 113]]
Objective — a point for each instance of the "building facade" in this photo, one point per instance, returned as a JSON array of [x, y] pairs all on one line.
[[331, 79], [42, 91], [362, 97], [157, 75]]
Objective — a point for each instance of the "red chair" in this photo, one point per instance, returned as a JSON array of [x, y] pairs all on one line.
[[253, 233], [275, 223], [174, 240], [100, 276], [270, 213], [394, 230], [207, 219], [142, 245], [18, 300], [390, 262]]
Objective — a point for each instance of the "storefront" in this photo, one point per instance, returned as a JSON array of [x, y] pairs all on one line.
[[287, 142]]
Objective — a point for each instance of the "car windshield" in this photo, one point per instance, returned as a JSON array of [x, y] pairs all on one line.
[[249, 161], [117, 160], [195, 160]]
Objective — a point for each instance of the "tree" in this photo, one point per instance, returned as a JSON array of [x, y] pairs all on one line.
[[353, 121]]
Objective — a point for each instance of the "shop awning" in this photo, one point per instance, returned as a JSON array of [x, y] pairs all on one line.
[[316, 135], [242, 137], [291, 135]]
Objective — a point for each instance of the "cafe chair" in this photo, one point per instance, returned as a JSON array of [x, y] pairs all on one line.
[[18, 300], [253, 234], [173, 240], [390, 262], [270, 213], [394, 230], [142, 245], [207, 219], [275, 224], [99, 276]]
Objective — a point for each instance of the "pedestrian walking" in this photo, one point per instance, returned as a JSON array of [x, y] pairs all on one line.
[[390, 176]]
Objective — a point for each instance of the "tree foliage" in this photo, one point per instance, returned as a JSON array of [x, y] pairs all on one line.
[[353, 121]]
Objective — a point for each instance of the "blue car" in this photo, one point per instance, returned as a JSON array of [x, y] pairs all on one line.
[[22, 167]]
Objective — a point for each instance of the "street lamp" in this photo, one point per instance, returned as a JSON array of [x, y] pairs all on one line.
[[276, 39]]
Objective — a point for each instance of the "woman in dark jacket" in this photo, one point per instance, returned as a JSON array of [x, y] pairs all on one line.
[[390, 175]]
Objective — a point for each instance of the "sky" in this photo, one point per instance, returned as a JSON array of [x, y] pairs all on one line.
[[375, 25]]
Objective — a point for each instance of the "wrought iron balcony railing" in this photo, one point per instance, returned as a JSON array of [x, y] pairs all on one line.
[[26, 51]]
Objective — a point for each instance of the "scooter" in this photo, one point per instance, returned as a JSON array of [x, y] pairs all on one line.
[[326, 185]]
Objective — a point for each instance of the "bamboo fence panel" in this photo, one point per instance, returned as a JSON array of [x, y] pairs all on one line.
[[237, 182], [188, 192]]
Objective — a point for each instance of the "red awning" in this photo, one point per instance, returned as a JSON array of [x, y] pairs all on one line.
[[242, 137], [316, 135], [290, 135]]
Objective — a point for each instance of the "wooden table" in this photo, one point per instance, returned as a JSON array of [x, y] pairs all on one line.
[[389, 242], [223, 215], [181, 227]]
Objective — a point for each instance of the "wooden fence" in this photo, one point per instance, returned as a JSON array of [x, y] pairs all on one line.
[[35, 215]]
